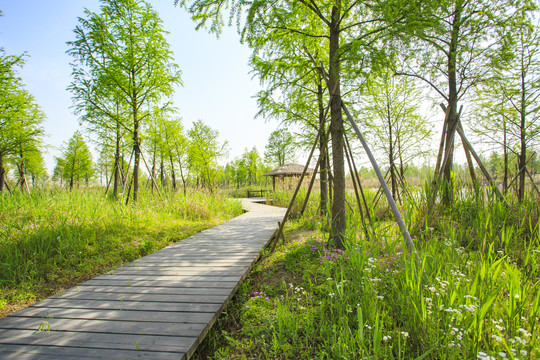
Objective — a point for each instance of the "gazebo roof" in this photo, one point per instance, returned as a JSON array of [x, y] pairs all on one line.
[[289, 170]]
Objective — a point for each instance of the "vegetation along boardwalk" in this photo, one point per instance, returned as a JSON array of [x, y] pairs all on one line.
[[158, 307]]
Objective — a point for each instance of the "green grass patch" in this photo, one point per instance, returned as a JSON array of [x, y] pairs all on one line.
[[53, 239]]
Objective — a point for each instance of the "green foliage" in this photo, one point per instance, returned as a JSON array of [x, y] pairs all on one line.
[[204, 151], [76, 162], [20, 119], [280, 148], [122, 67]]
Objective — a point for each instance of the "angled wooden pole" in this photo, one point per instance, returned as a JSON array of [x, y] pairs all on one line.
[[480, 163], [467, 151], [441, 144], [356, 193], [311, 182], [110, 180], [357, 174], [439, 175], [126, 179], [391, 201], [532, 180], [151, 175], [280, 230]]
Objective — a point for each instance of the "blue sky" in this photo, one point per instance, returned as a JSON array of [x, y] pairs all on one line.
[[218, 87]]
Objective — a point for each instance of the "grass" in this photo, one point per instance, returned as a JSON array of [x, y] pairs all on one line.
[[52, 239], [474, 294]]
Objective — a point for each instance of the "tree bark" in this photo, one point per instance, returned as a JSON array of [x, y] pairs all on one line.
[[391, 152], [448, 196], [2, 173], [523, 140], [22, 172], [322, 151], [505, 150], [117, 162], [338, 227], [173, 175]]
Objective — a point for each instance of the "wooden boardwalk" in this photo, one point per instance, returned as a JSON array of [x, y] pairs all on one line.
[[158, 307]]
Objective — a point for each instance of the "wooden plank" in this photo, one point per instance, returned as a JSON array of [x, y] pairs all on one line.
[[111, 281], [96, 340], [129, 305], [153, 290], [105, 326], [121, 315], [179, 272], [55, 352], [190, 264], [144, 297], [178, 278]]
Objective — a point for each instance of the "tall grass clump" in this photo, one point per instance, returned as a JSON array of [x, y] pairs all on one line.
[[52, 239]]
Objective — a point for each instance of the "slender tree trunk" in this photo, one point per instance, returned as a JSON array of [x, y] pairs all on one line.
[[2, 173], [338, 227], [322, 151], [523, 140], [448, 196], [391, 152], [117, 162], [173, 175], [505, 150], [181, 170], [161, 171], [22, 172]]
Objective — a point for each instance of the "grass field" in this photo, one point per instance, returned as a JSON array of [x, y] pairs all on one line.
[[53, 239], [474, 294]]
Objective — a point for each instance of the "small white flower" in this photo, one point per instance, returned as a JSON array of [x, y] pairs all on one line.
[[386, 337], [405, 334], [523, 352]]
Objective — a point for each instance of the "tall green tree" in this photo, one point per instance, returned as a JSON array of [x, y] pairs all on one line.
[[509, 105], [20, 118], [76, 161], [352, 32], [204, 151], [281, 148], [391, 111], [451, 56], [122, 51]]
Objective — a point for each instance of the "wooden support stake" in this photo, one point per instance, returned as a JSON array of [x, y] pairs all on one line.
[[439, 174], [441, 145], [356, 173], [110, 180], [532, 180], [297, 189], [480, 163], [311, 182], [151, 175], [126, 179], [467, 152]]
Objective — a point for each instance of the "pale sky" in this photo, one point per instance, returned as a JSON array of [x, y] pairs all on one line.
[[218, 87]]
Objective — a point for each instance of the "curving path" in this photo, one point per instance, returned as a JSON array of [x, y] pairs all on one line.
[[158, 307]]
